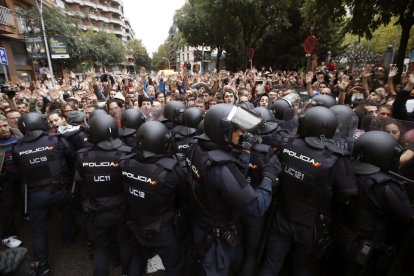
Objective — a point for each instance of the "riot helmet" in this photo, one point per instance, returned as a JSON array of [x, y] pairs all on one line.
[[347, 120], [268, 119], [322, 100], [191, 119], [280, 108], [131, 120], [173, 110], [32, 125], [378, 148], [153, 138], [319, 122], [222, 119], [97, 112], [102, 128]]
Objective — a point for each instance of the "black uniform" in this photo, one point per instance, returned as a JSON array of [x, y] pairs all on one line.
[[311, 178], [364, 245], [43, 161], [99, 170], [151, 186]]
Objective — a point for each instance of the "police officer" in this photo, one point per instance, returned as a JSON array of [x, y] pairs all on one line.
[[184, 137], [131, 120], [44, 161], [77, 133], [272, 133], [151, 182], [314, 171], [99, 169], [347, 125], [219, 189], [173, 114], [364, 245]]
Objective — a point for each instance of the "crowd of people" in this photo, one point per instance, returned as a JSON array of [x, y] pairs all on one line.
[[222, 173]]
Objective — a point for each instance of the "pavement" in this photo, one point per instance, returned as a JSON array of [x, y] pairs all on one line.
[[74, 260]]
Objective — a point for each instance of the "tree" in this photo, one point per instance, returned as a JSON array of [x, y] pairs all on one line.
[[56, 24], [103, 48], [367, 16], [139, 53]]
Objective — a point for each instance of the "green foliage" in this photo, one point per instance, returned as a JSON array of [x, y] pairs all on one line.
[[139, 53], [102, 48], [88, 48], [381, 38], [159, 57]]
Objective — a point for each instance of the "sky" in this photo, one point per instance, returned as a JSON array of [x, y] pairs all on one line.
[[151, 20]]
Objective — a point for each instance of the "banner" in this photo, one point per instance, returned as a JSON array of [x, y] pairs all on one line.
[[35, 47], [58, 47]]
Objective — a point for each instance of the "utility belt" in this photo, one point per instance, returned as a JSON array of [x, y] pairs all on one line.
[[367, 247], [229, 235]]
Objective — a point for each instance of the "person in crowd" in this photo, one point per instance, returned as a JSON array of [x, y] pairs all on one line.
[[9, 181]]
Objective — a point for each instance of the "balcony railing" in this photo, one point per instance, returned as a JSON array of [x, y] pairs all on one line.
[[6, 17]]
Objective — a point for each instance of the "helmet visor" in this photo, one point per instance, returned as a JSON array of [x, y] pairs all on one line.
[[244, 118]]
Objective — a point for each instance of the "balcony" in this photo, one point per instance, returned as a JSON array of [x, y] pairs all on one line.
[[116, 21], [10, 24]]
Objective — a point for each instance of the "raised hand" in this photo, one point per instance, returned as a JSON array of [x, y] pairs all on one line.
[[393, 72]]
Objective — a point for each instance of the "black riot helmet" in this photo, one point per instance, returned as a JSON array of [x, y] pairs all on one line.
[[153, 138], [221, 119], [378, 148], [131, 120], [318, 121], [191, 119], [323, 100], [32, 124], [173, 110], [102, 128], [97, 112], [268, 119], [281, 107]]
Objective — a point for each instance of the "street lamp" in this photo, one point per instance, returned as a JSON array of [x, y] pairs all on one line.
[[169, 67]]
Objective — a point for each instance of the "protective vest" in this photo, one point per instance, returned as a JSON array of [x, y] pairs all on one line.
[[216, 198], [150, 200], [305, 181], [100, 171], [131, 141], [182, 143], [41, 161], [368, 216]]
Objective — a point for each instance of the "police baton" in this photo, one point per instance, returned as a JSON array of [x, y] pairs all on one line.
[[26, 215]]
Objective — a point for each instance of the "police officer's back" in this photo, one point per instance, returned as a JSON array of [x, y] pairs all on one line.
[[151, 182], [369, 229], [315, 171], [99, 169], [219, 190], [44, 161]]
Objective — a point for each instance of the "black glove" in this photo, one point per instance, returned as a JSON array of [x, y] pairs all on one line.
[[249, 140], [272, 169]]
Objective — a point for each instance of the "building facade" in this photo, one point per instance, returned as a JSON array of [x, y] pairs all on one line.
[[202, 58], [20, 66]]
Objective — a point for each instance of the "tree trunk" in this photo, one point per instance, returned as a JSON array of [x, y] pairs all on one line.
[[219, 52], [399, 59]]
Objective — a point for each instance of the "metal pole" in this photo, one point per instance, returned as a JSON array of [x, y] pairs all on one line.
[[5, 72], [45, 40]]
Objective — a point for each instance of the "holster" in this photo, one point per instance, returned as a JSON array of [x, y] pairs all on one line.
[[323, 235]]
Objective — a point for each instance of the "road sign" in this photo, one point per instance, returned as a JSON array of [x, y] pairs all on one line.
[[250, 53], [58, 47], [3, 57], [309, 44]]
